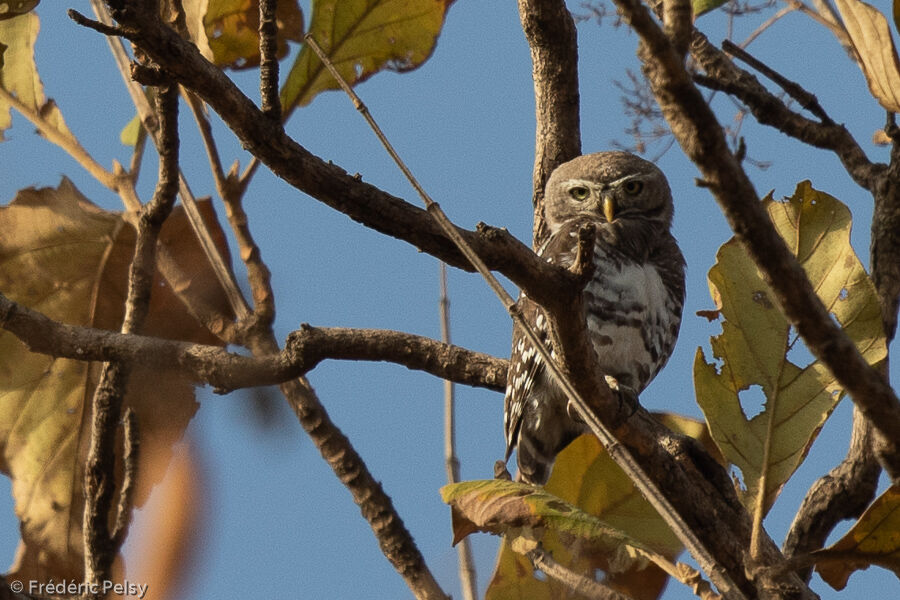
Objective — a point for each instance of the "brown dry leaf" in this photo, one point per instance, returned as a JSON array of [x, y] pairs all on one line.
[[873, 540], [871, 36], [65, 257]]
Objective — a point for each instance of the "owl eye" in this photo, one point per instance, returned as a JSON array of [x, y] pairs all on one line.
[[579, 193], [633, 187]]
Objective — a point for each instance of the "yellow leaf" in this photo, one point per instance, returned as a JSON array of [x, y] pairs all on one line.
[[362, 37], [756, 338], [232, 27], [18, 74], [871, 36], [873, 539], [65, 257]]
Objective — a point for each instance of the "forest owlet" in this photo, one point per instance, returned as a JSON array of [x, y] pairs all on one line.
[[632, 305]]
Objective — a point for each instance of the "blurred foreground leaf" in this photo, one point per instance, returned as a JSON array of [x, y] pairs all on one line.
[[756, 339], [15, 8], [232, 27], [65, 257]]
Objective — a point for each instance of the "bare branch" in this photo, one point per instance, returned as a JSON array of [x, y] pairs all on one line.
[[582, 585], [702, 139], [467, 574], [327, 182], [268, 60], [226, 371], [724, 75], [843, 493], [550, 31], [100, 544]]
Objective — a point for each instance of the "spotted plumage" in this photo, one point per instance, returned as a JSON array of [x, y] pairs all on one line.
[[632, 305]]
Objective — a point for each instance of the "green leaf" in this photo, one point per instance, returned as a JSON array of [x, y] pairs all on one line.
[[518, 509], [14, 8], [130, 133], [756, 338], [873, 539], [65, 257], [362, 37], [232, 27], [700, 7]]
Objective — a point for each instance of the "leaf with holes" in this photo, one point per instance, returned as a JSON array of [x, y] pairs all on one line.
[[871, 37], [65, 257], [873, 540], [362, 37], [232, 28], [756, 340], [19, 75], [586, 477]]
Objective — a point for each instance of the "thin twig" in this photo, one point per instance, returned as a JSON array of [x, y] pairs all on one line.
[[137, 157], [100, 544], [64, 140], [130, 453], [806, 99], [150, 121], [225, 371], [467, 574], [582, 585], [791, 7], [617, 451]]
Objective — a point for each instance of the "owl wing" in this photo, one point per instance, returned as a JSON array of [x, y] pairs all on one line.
[[526, 365]]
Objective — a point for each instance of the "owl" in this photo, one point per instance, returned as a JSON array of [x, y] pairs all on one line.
[[632, 305]]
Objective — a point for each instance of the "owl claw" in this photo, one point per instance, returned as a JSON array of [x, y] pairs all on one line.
[[501, 472]]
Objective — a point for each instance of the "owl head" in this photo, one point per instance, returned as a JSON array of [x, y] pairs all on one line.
[[608, 187]]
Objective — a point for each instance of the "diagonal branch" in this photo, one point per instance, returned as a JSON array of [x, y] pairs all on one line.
[[722, 74], [327, 182], [700, 135]]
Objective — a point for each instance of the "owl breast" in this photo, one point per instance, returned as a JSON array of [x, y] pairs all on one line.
[[630, 315]]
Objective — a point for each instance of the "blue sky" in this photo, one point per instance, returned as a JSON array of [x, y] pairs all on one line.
[[277, 520]]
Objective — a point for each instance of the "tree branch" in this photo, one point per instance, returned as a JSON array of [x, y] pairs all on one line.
[[100, 544], [722, 74], [325, 181], [550, 31], [226, 371], [268, 60], [701, 137]]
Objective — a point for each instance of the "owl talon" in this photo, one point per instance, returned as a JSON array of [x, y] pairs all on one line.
[[501, 472]]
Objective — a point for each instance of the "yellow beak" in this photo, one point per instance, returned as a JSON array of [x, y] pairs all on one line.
[[609, 208]]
